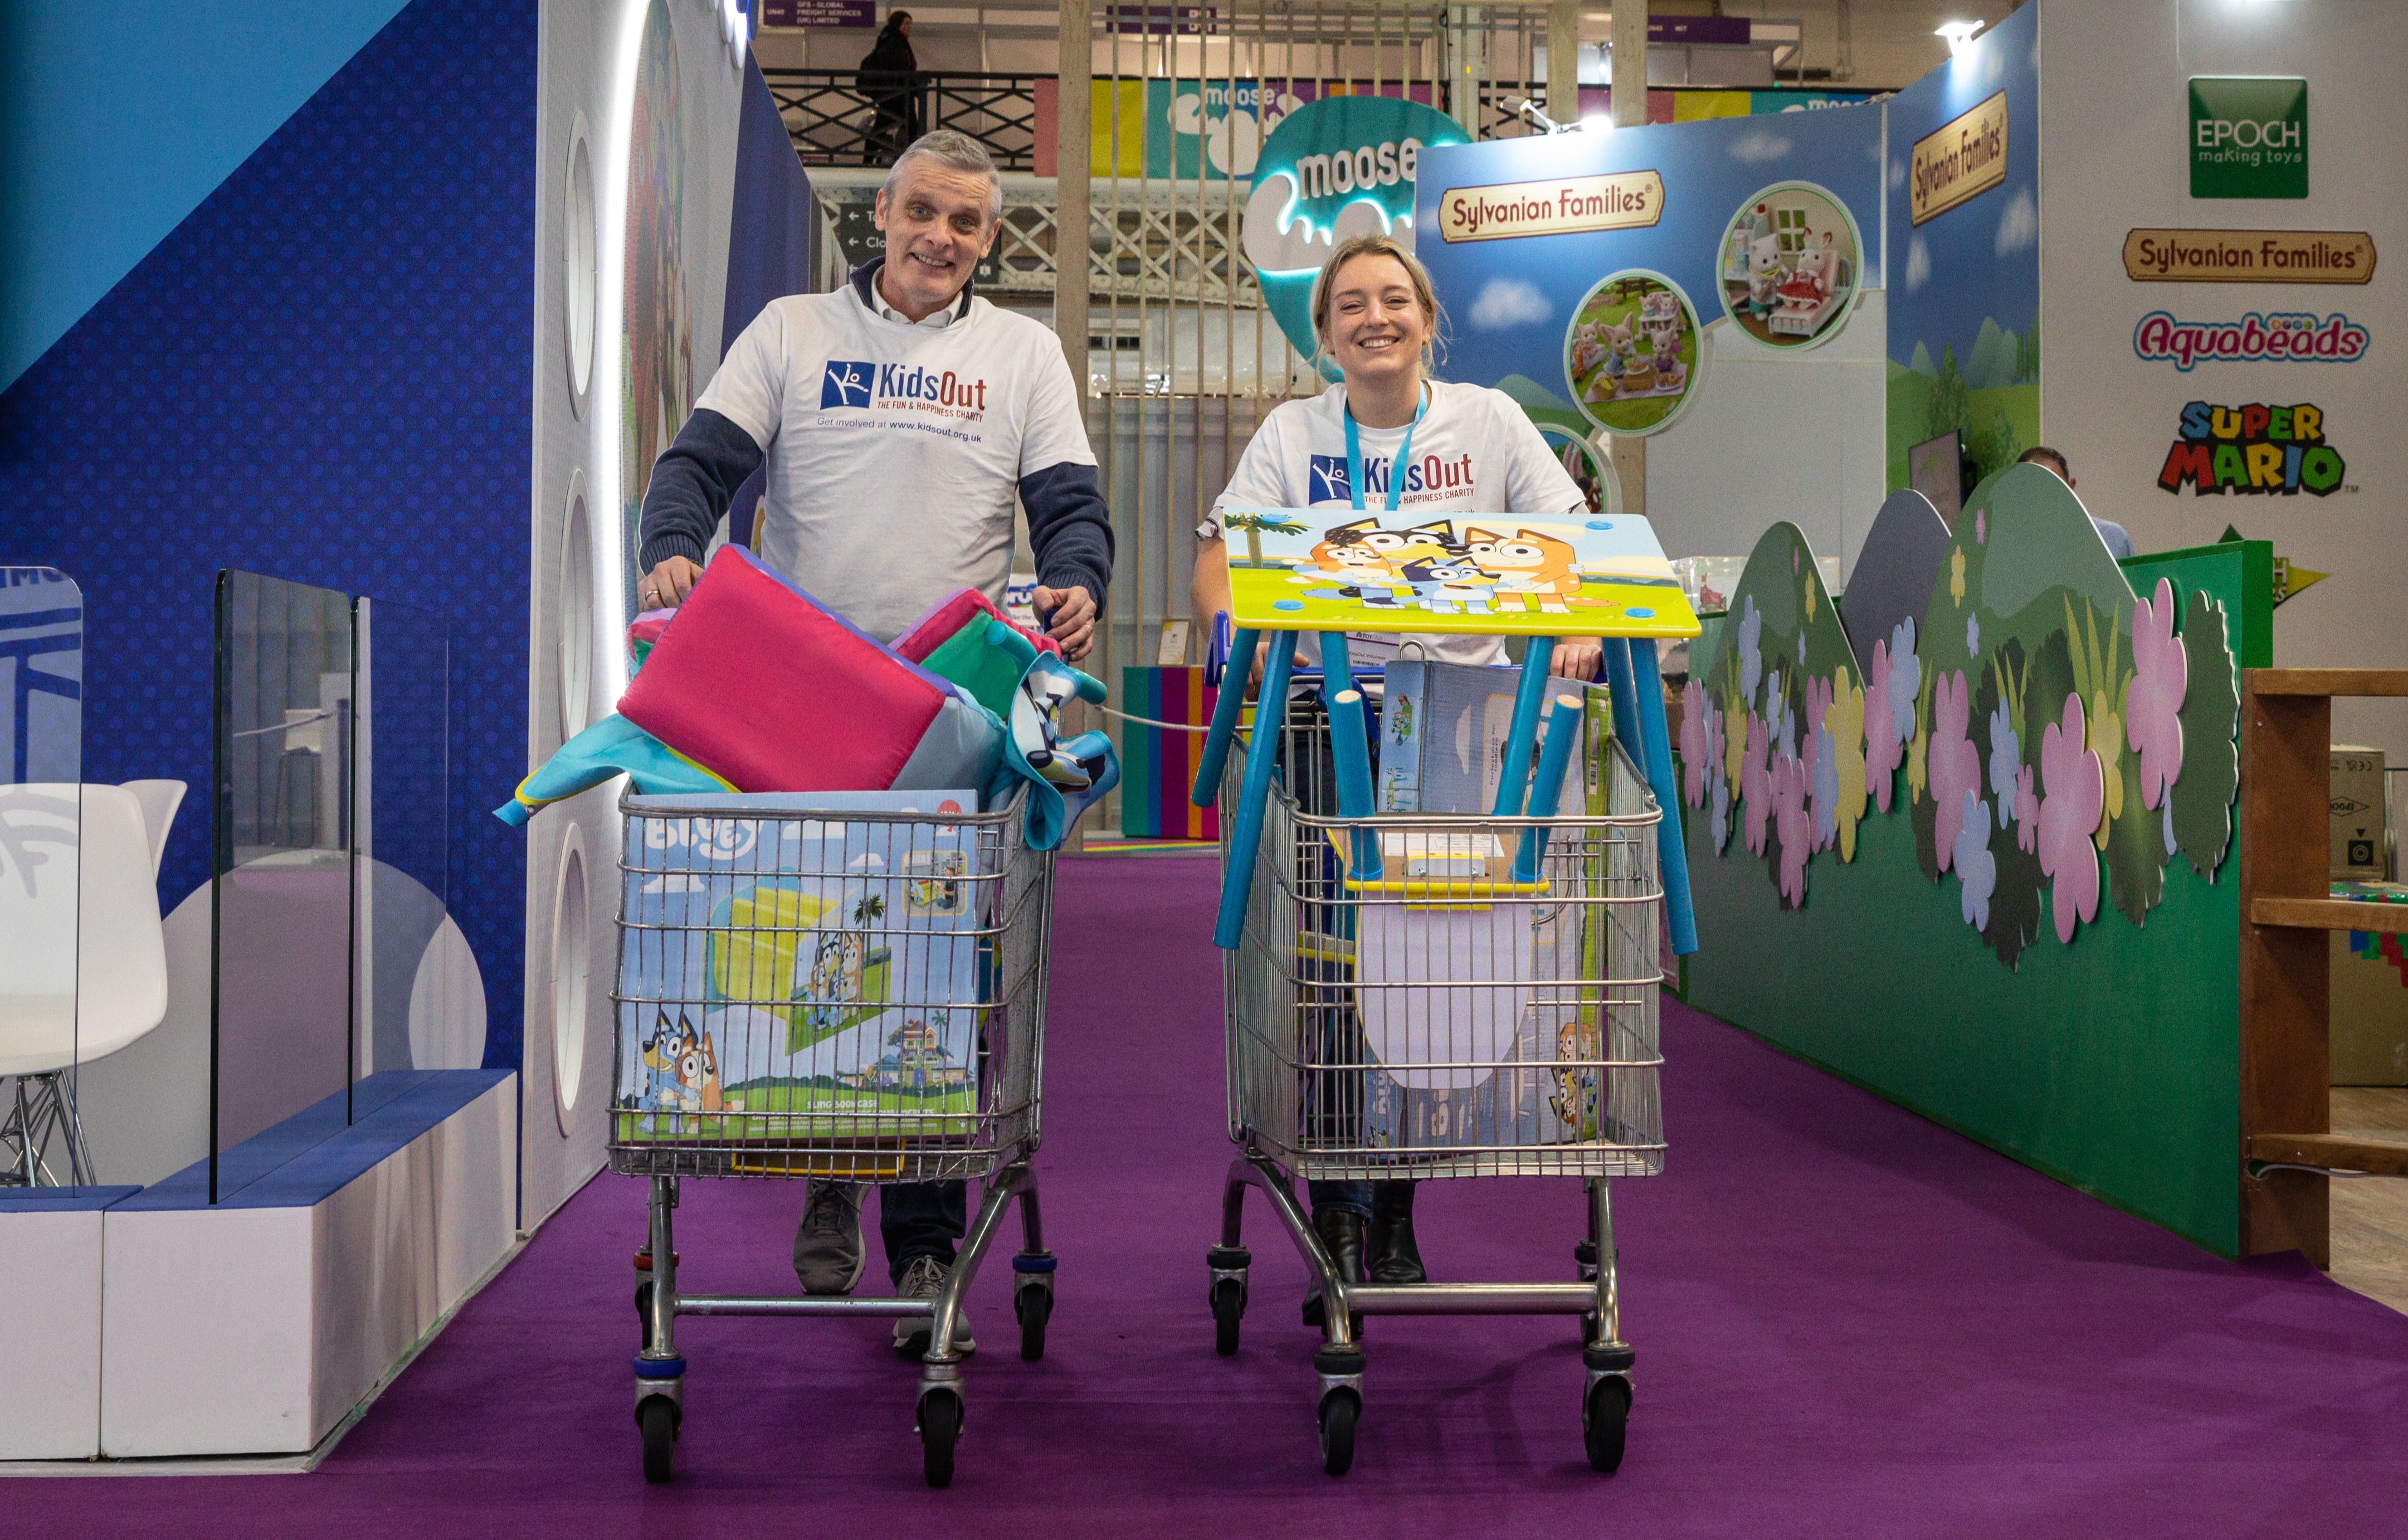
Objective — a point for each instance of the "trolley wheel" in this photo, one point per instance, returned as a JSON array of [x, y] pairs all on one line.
[[657, 1416], [1604, 1419], [1229, 1308], [1034, 1305], [940, 1424], [1338, 1411]]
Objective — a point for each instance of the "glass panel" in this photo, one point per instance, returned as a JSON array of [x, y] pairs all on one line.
[[280, 1017], [41, 772], [413, 979]]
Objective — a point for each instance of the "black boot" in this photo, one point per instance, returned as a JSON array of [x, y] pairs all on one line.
[[1341, 1236], [1394, 1258]]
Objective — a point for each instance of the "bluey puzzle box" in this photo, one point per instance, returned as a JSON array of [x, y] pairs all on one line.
[[788, 972]]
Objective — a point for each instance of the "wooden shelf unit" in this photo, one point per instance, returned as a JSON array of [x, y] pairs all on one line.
[[2287, 911]]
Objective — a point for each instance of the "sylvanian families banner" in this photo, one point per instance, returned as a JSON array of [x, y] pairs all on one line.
[[1590, 275]]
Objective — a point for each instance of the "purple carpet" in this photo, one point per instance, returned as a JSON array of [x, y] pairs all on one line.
[[1849, 1322]]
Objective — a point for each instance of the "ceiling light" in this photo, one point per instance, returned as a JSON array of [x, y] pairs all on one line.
[[1959, 34]]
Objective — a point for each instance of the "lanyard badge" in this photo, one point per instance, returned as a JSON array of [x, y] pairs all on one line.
[[1395, 466]]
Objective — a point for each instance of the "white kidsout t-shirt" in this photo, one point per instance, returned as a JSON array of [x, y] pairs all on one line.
[[894, 451], [1473, 452]]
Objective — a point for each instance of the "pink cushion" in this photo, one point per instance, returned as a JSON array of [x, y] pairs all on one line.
[[760, 684], [935, 628]]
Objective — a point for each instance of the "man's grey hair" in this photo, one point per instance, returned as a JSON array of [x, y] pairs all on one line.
[[955, 152]]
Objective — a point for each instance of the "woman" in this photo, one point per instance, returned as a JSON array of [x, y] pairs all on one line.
[[1375, 317], [885, 79]]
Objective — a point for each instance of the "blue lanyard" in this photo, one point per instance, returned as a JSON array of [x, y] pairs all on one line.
[[1395, 466]]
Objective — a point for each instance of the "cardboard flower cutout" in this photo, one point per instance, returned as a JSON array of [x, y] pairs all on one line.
[[2073, 797]]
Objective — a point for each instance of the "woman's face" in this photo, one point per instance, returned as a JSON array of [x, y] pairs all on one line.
[[903, 26], [1377, 328]]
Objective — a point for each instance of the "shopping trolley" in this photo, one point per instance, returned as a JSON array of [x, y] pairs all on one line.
[[753, 935], [1484, 1006]]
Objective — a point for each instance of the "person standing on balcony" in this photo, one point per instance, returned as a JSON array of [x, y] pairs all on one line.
[[886, 80], [882, 507]]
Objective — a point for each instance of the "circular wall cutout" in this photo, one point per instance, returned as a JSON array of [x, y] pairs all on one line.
[[571, 953], [1633, 352], [573, 611], [581, 281], [1586, 462]]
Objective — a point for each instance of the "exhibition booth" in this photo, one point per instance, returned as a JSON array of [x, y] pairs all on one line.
[[1999, 791]]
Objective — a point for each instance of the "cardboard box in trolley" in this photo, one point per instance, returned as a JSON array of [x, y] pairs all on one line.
[[788, 972]]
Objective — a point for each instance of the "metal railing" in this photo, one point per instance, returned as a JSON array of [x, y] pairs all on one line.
[[832, 122]]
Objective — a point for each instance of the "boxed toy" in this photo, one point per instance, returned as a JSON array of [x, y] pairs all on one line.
[[1442, 733], [2357, 813], [789, 972]]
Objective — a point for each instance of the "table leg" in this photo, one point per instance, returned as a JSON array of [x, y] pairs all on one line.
[[1513, 785], [1270, 710]]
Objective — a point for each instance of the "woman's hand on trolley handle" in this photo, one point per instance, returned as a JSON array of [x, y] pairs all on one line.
[[1576, 657]]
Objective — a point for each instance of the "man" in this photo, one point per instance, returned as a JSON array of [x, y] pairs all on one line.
[[2119, 544], [898, 416]]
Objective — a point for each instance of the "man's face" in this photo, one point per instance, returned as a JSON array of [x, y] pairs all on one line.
[[938, 226]]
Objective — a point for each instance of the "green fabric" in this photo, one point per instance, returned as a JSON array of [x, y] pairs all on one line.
[[988, 673]]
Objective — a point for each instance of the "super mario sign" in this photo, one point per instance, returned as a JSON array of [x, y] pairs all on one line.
[[2255, 448]]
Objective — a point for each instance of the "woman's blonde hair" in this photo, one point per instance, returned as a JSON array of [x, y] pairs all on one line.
[[1416, 274]]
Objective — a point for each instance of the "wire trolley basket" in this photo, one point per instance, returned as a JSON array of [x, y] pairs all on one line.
[[1484, 1004], [854, 995]]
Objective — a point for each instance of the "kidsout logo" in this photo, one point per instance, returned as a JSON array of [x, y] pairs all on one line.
[[846, 384], [2303, 339], [1326, 475], [857, 382], [2254, 449]]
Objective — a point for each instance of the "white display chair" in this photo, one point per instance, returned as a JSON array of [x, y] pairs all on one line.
[[83, 964]]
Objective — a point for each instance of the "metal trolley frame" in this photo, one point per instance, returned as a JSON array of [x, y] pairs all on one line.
[[1001, 893], [1365, 1019]]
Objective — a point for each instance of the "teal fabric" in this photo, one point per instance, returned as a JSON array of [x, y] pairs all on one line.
[[611, 747]]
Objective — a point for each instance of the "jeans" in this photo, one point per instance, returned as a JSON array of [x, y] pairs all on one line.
[[1346, 1197], [923, 1219]]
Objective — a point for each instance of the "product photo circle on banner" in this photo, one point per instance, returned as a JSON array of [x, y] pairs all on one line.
[[1791, 265], [1634, 353]]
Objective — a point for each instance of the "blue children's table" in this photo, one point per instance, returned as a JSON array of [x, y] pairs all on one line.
[[1619, 598]]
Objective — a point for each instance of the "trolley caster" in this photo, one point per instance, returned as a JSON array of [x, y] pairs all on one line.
[[941, 1425], [1033, 1303], [1229, 1308], [657, 1417], [1605, 1417], [1340, 1409], [1227, 1295], [1032, 1299]]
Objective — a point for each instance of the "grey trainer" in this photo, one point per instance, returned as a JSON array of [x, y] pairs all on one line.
[[827, 1243], [922, 1280]]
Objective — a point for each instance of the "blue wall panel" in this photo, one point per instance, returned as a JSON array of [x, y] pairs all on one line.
[[118, 116], [321, 374]]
